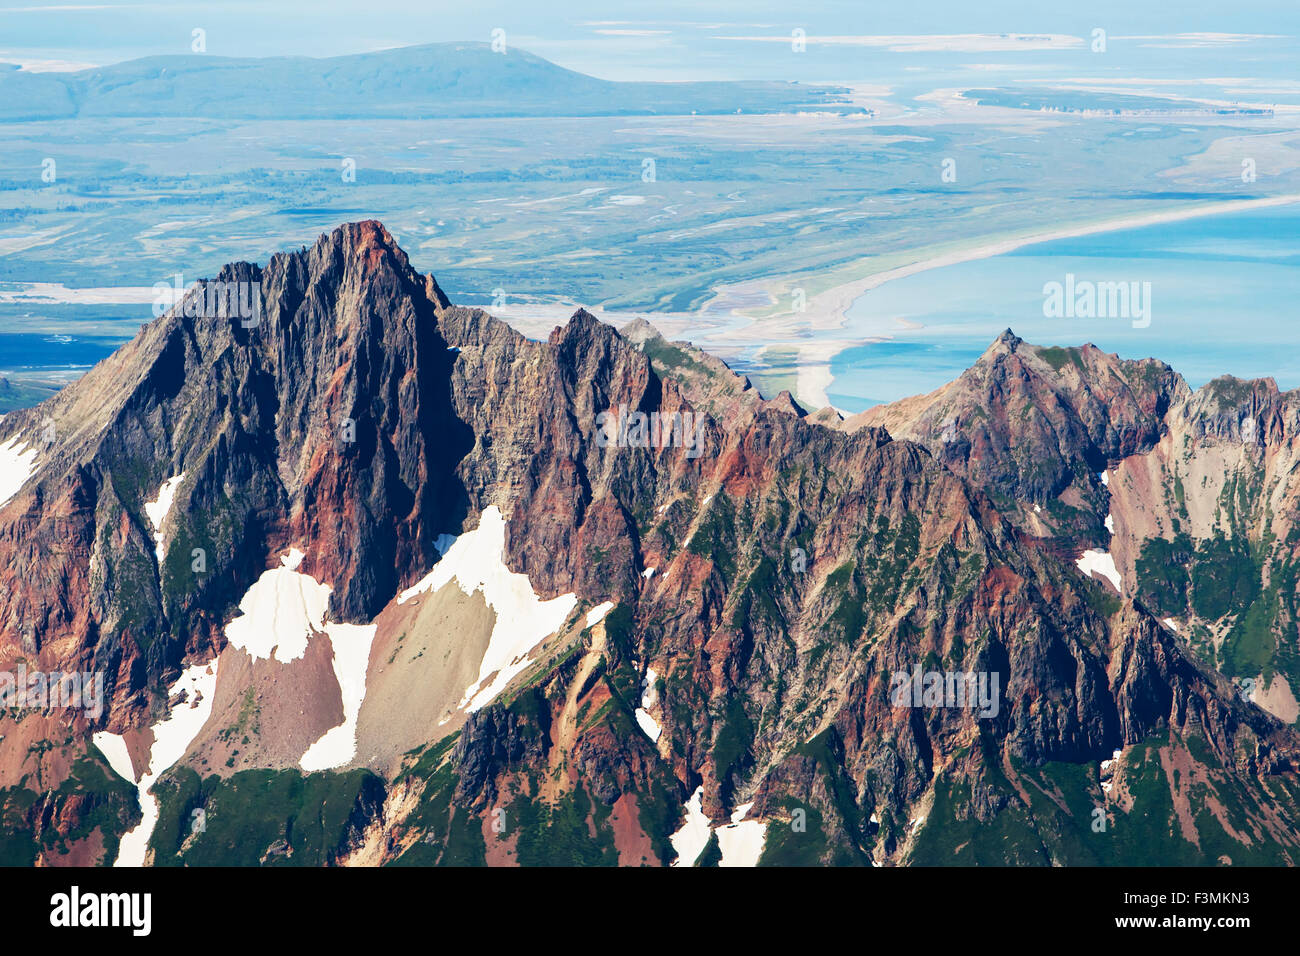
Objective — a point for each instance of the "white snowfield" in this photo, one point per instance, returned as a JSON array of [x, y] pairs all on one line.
[[351, 646], [649, 698], [649, 726], [159, 509], [113, 747], [475, 560], [693, 837], [1105, 764], [17, 465], [741, 840], [280, 612], [597, 613], [172, 737], [1102, 562]]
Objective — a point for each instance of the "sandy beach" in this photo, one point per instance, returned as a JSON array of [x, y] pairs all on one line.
[[810, 333], [826, 311]]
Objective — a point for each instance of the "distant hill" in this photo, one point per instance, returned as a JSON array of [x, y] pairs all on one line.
[[440, 80]]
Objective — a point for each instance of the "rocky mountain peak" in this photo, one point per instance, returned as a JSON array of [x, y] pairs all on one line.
[[1008, 341], [738, 587], [304, 405]]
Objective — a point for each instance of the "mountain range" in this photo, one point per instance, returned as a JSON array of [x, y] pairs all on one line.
[[373, 579]]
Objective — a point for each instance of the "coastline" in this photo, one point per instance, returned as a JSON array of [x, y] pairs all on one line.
[[811, 334], [828, 310]]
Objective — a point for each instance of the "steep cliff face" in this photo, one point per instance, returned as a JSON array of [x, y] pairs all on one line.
[[1036, 426], [1205, 522], [1196, 511], [323, 420], [580, 593]]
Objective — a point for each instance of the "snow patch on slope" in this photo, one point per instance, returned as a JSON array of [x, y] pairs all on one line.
[[649, 726], [649, 699], [280, 612], [741, 841], [693, 837], [351, 647], [1106, 764], [1101, 562], [17, 465], [158, 510], [171, 738], [475, 560], [113, 746], [597, 613]]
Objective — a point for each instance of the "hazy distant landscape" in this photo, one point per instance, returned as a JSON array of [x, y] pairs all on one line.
[[736, 215]]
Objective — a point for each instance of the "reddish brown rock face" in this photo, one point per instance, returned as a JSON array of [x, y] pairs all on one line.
[[326, 427], [799, 566]]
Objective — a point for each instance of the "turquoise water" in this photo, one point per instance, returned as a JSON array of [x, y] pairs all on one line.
[[1225, 298]]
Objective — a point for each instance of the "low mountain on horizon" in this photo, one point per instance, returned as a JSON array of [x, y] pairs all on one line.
[[457, 597], [430, 81]]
